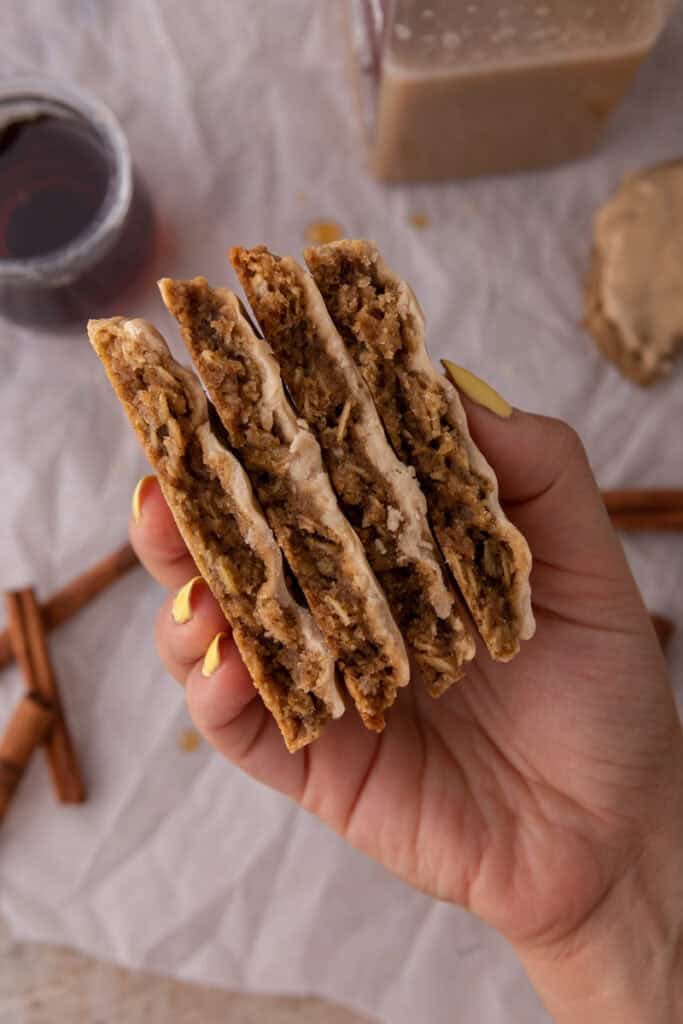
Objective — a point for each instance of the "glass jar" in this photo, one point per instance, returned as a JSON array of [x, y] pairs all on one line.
[[457, 89], [75, 224]]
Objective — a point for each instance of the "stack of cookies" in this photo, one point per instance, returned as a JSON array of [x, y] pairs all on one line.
[[328, 487]]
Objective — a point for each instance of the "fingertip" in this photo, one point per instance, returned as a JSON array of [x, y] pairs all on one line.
[[151, 517], [219, 688], [156, 538], [213, 656], [182, 605], [477, 390], [142, 488]]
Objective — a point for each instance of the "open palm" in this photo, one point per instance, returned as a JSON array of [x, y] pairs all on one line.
[[526, 792]]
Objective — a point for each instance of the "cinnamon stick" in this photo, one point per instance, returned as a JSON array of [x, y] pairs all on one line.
[[655, 499], [27, 728], [80, 591], [66, 602], [16, 634], [651, 520], [663, 628], [30, 648], [645, 509]]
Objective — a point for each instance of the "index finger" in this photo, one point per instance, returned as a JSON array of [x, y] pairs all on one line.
[[156, 538]]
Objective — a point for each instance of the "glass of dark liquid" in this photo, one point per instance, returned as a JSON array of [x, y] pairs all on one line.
[[75, 223]]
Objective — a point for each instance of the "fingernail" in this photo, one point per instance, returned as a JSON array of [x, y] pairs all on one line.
[[181, 610], [137, 497], [212, 658], [476, 389]]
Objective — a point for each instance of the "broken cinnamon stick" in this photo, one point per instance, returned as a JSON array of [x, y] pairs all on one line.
[[30, 649], [27, 728], [80, 591]]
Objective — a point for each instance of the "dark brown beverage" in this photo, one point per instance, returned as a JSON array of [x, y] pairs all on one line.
[[75, 225], [53, 181]]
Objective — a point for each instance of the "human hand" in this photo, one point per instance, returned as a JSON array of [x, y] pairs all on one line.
[[545, 795]]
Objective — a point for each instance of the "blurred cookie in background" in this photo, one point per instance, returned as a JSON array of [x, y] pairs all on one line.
[[634, 295]]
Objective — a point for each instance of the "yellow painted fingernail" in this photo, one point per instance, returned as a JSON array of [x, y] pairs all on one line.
[[181, 609], [137, 497], [476, 389], [212, 658]]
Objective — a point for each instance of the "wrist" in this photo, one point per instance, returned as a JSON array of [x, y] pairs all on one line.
[[623, 965]]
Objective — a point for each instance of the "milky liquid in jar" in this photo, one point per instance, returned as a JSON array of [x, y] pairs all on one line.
[[485, 86]]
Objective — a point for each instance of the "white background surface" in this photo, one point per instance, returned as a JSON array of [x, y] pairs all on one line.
[[241, 121]]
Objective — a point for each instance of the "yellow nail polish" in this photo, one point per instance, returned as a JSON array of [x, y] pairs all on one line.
[[137, 497], [476, 389], [212, 658], [181, 610]]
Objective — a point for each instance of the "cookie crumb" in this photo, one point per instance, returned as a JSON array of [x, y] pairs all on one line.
[[320, 232], [189, 740], [419, 221]]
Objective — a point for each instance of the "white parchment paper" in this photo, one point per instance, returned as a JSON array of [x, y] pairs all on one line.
[[241, 121]]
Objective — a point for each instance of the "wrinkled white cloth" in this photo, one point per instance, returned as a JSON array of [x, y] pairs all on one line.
[[241, 119]]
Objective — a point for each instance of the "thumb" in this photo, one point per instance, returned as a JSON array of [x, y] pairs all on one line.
[[548, 489], [549, 492]]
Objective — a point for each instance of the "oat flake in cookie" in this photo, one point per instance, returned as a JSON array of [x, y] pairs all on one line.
[[212, 503], [634, 297], [382, 325], [378, 493], [284, 462]]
